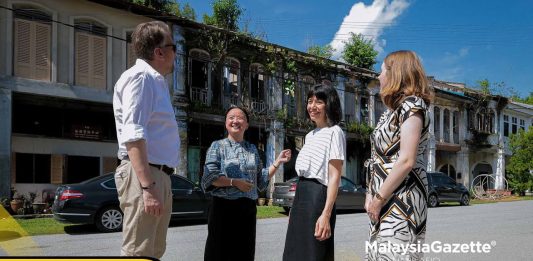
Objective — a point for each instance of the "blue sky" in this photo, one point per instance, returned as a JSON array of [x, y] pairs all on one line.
[[457, 40]]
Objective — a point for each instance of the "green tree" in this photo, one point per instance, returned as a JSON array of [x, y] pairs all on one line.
[[325, 51], [526, 100], [226, 15], [359, 51], [520, 165]]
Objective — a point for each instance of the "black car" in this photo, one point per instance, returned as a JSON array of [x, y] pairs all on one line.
[[95, 201], [349, 195], [444, 189]]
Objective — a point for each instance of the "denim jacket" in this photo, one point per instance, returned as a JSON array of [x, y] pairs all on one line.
[[237, 160]]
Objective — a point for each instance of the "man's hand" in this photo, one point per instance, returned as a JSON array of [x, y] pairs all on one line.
[[152, 203]]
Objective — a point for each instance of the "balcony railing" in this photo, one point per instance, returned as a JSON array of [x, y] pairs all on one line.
[[259, 107], [199, 95]]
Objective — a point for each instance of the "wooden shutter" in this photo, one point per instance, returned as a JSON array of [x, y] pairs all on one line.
[[56, 169], [91, 60], [22, 56], [42, 51], [82, 59], [32, 50], [109, 164], [99, 57]]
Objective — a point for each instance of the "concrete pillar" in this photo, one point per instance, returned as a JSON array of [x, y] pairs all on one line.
[[500, 169], [432, 146], [340, 91], [372, 106], [274, 146], [6, 102], [179, 97], [463, 165]]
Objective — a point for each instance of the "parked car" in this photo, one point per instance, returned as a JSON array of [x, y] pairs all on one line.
[[95, 201], [444, 189], [350, 196]]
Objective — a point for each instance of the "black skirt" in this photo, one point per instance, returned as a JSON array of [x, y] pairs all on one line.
[[231, 230], [300, 243]]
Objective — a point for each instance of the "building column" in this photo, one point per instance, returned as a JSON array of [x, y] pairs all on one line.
[[179, 97], [276, 134], [340, 91], [6, 101], [372, 106], [463, 165], [432, 144], [500, 169]]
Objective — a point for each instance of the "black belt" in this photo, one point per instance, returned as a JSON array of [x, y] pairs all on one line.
[[166, 169]]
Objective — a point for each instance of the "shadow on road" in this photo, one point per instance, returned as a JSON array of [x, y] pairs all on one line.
[[81, 229]]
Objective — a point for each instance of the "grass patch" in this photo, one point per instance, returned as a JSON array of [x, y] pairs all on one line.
[[270, 212], [42, 226], [506, 199]]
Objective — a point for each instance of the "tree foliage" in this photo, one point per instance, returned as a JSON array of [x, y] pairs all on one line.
[[226, 15], [520, 165], [169, 6], [359, 51], [325, 51], [526, 100]]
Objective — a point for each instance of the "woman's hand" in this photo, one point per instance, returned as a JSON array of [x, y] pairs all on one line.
[[243, 185], [368, 199], [322, 228], [374, 209], [284, 156]]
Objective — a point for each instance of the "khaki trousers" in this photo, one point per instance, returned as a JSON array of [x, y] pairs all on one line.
[[142, 234]]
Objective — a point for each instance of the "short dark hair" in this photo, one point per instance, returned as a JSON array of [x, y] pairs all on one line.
[[329, 95], [237, 107], [148, 36]]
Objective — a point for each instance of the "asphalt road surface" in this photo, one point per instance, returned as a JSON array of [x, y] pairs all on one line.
[[506, 228]]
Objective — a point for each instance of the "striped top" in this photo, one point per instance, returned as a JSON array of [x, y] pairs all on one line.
[[321, 146]]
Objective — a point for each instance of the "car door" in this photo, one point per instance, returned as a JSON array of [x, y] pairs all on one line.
[[440, 186], [455, 192], [348, 197], [186, 200]]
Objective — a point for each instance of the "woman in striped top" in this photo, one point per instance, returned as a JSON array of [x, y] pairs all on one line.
[[319, 164]]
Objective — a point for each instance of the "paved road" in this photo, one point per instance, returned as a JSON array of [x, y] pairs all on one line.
[[508, 224]]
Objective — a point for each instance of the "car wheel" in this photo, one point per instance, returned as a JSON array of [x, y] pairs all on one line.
[[109, 219], [465, 200], [287, 209], [433, 201]]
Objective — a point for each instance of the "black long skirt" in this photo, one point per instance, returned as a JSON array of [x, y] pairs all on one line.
[[231, 230], [300, 243]]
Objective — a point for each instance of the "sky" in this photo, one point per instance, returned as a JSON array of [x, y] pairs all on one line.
[[458, 40]]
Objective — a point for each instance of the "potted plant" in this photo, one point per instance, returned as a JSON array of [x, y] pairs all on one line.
[[16, 204]]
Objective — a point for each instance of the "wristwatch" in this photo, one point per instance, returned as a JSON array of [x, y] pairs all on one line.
[[378, 196]]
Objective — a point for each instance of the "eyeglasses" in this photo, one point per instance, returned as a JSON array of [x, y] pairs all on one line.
[[239, 118], [173, 46]]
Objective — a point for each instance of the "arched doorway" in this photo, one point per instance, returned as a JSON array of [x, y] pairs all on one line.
[[483, 168], [449, 170]]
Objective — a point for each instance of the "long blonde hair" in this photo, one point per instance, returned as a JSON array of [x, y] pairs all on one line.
[[405, 77]]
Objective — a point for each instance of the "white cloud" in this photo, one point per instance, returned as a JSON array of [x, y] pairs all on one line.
[[368, 20], [451, 58]]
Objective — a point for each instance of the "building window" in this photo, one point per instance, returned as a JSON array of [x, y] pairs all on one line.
[[231, 81], [456, 127], [199, 75], [506, 125], [32, 168], [514, 125], [485, 121], [257, 88], [130, 53], [437, 123], [446, 125], [32, 44], [522, 124], [90, 54], [449, 170]]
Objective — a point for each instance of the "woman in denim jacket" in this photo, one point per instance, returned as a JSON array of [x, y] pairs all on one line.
[[233, 174]]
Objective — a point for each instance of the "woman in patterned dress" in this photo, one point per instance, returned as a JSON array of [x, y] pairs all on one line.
[[396, 202], [233, 173]]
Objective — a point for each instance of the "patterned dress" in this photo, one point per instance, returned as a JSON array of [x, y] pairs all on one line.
[[403, 217]]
